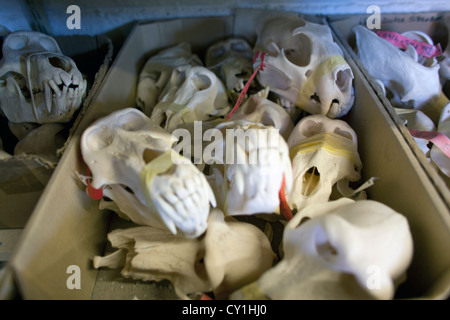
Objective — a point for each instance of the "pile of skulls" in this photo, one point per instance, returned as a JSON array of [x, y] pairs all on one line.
[[210, 225], [412, 81], [40, 90]]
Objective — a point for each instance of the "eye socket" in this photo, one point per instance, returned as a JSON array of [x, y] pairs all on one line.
[[131, 121], [48, 44], [17, 42], [217, 52], [238, 46], [201, 82], [344, 133], [99, 138], [311, 128]]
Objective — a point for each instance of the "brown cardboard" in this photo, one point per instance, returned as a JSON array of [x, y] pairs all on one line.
[[67, 229]]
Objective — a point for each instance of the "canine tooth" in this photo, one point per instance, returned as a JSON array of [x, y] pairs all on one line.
[[57, 79], [71, 91], [48, 96], [54, 87], [65, 78]]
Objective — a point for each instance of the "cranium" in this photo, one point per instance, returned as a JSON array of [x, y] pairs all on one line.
[[341, 249], [256, 160], [408, 83], [129, 150], [37, 82], [231, 61], [192, 93], [304, 66], [156, 73], [264, 111], [323, 152], [229, 255]]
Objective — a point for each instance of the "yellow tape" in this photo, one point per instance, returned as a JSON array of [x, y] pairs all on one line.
[[309, 86], [252, 292], [160, 164], [186, 114], [333, 143]]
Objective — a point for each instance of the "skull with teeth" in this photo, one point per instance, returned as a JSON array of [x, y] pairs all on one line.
[[304, 67], [128, 152], [37, 82]]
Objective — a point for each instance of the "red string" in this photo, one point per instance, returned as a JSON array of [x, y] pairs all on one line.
[[95, 194], [247, 85], [284, 207]]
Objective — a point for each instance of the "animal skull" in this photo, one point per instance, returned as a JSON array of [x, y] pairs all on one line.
[[256, 160], [439, 158], [409, 83], [37, 82], [264, 111], [192, 93], [231, 61], [156, 73], [323, 152], [304, 66], [124, 149], [342, 249], [229, 255]]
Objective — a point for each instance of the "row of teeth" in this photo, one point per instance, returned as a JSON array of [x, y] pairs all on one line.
[[61, 84]]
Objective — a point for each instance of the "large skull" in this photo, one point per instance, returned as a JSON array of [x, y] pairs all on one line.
[[231, 61], [264, 111], [37, 82], [230, 255], [339, 250], [156, 73], [323, 152], [192, 93], [304, 66], [127, 150], [408, 83]]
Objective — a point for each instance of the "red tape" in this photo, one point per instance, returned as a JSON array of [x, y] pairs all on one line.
[[422, 48], [440, 140], [95, 194], [247, 85], [284, 207]]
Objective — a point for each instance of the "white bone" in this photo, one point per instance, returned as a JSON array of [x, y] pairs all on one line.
[[255, 162], [341, 250], [411, 84], [156, 73], [192, 93], [231, 61], [304, 66], [119, 147], [323, 152], [41, 141], [264, 111], [37, 82], [230, 255]]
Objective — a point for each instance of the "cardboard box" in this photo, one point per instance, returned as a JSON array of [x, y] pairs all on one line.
[[67, 229], [437, 26], [24, 177]]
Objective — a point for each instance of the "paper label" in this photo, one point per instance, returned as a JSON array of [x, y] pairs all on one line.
[[437, 138], [402, 42]]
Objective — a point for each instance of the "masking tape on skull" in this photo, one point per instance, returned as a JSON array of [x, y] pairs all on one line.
[[332, 143], [160, 164], [309, 86]]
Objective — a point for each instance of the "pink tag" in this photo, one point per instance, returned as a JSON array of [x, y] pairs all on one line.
[[437, 138], [247, 85], [422, 48]]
